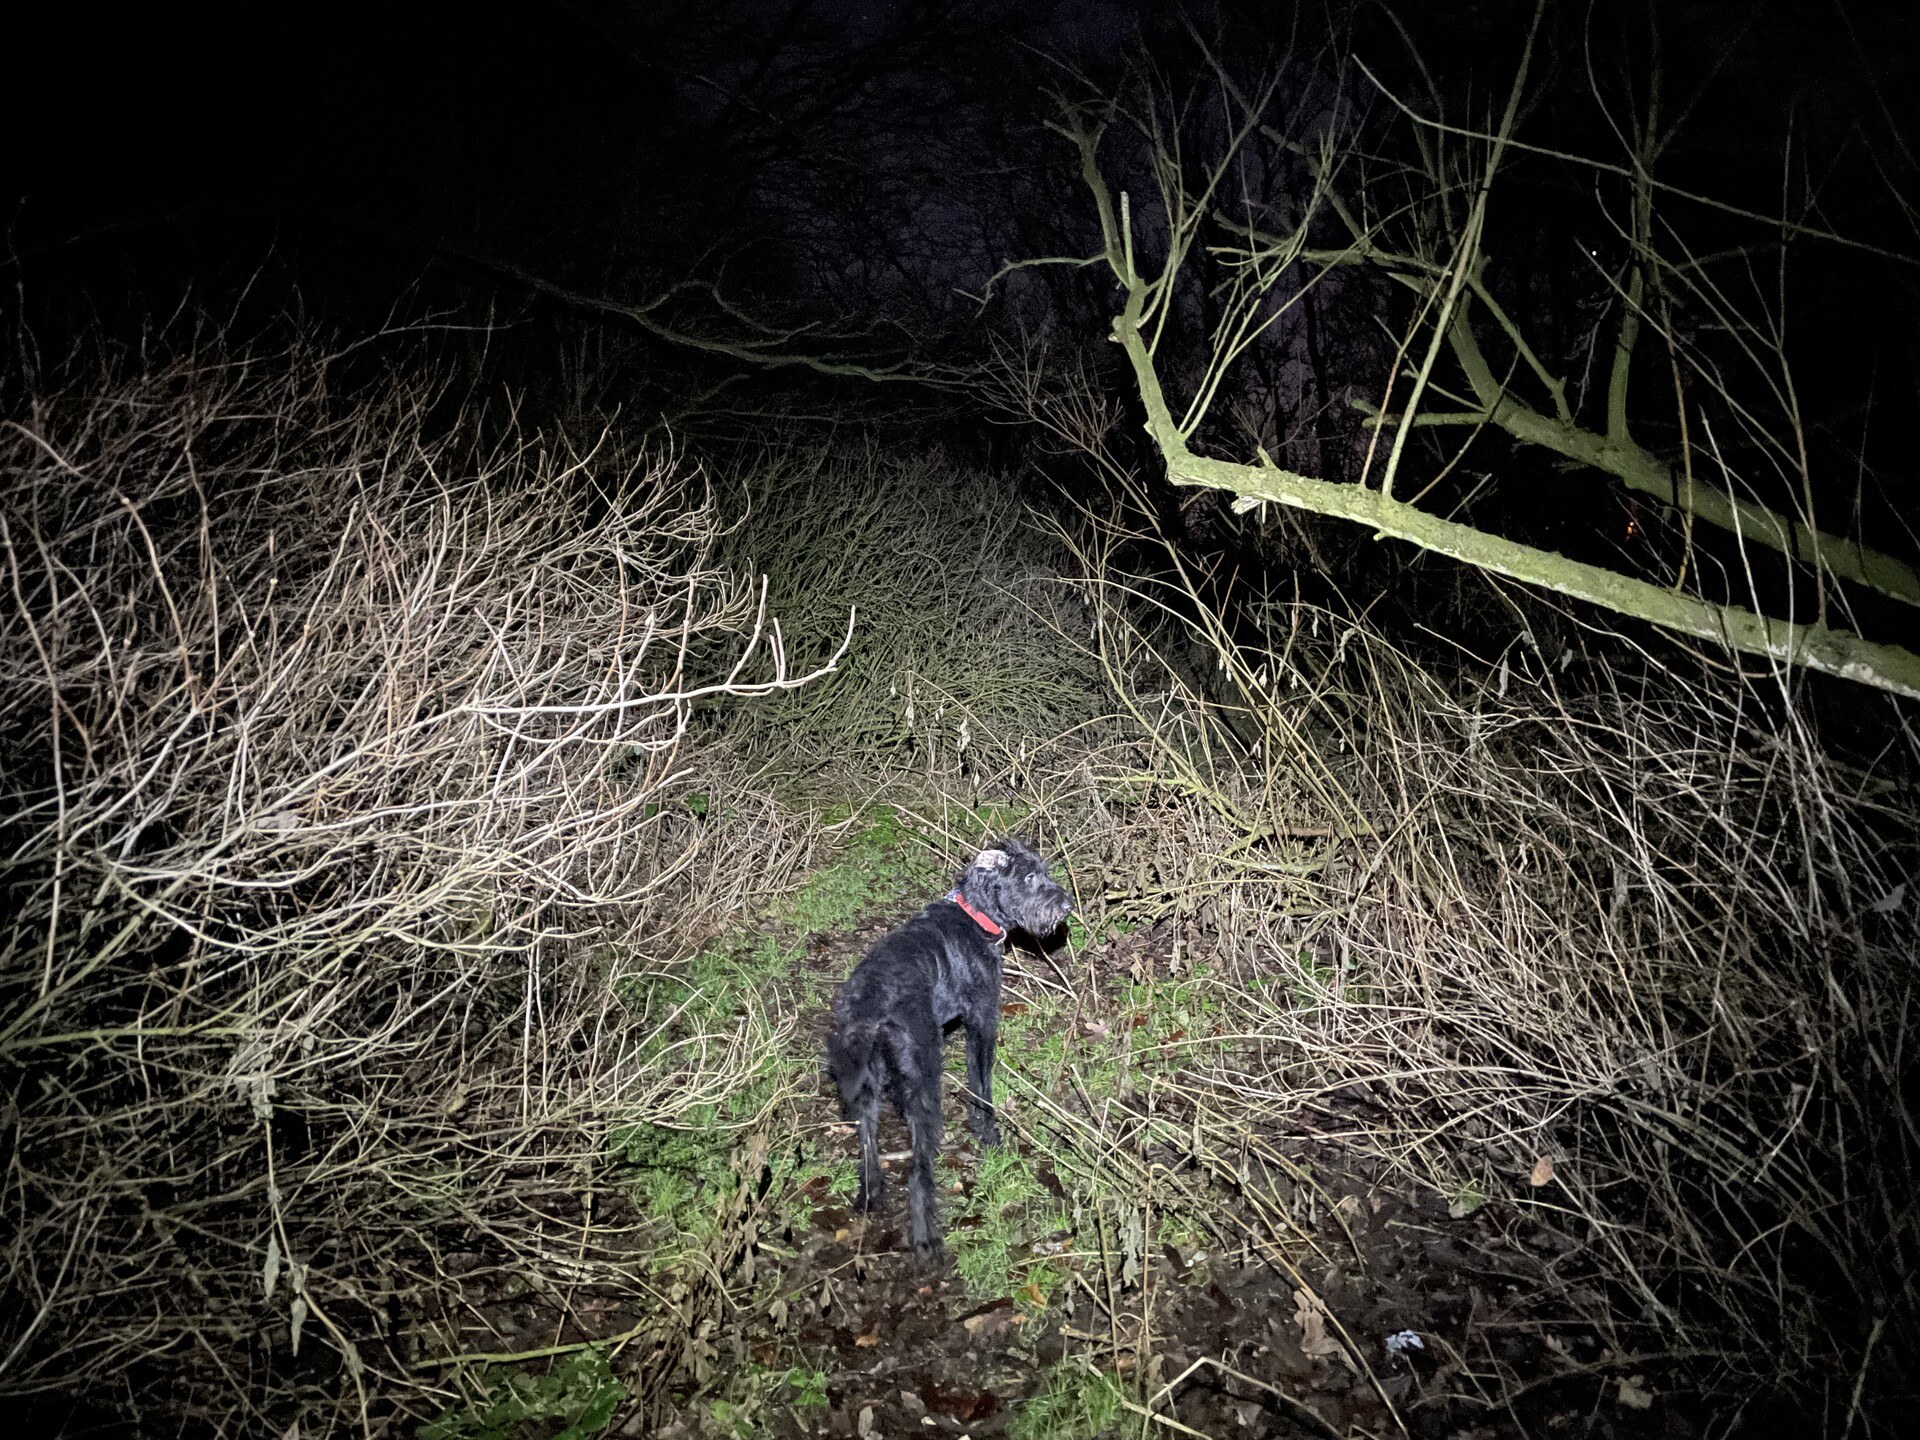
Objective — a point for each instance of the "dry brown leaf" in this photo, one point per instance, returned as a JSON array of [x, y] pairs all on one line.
[[1542, 1172], [990, 1321], [1311, 1316], [1633, 1393], [868, 1340]]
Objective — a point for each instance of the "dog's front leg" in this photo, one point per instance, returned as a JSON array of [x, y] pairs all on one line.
[[983, 1033]]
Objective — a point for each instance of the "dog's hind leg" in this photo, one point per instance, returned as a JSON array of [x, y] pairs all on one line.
[[859, 1066], [865, 1114], [921, 1091]]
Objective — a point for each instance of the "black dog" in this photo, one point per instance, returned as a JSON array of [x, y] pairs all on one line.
[[890, 1018]]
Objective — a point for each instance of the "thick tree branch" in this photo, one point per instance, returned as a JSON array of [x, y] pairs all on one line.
[[1817, 647], [1641, 470]]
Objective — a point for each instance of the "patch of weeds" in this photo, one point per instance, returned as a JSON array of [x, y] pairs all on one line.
[[1074, 1404], [1183, 1232], [802, 1181], [579, 1392], [999, 817], [1033, 1037], [1011, 1208], [809, 1388], [751, 1396], [1101, 1078], [734, 1417], [1312, 981], [678, 1176], [1467, 1197], [880, 864], [843, 1180], [1167, 1013]]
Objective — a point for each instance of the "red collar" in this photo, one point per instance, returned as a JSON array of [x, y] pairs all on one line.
[[981, 920]]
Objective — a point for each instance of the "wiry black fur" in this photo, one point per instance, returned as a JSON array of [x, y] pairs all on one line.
[[891, 1017]]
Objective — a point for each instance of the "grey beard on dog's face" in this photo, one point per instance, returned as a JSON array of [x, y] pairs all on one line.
[[1010, 883]]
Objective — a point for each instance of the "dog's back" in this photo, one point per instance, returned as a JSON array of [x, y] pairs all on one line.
[[885, 1013]]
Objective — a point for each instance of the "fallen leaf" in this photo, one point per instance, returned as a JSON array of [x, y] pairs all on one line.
[[990, 1319], [1031, 1293], [866, 1421], [1013, 1007], [1095, 1027], [868, 1340], [1310, 1315], [1542, 1172], [961, 1405], [1633, 1393], [924, 1290]]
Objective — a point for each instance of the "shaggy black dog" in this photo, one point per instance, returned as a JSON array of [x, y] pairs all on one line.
[[891, 1017]]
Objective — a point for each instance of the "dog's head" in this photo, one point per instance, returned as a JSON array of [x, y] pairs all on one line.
[[1009, 883]]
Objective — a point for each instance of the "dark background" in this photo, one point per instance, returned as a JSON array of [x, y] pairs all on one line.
[[800, 181]]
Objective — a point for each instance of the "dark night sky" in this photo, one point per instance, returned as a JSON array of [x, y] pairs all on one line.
[[417, 114], [409, 122]]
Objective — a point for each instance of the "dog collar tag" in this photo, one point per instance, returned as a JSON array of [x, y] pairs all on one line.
[[981, 920]]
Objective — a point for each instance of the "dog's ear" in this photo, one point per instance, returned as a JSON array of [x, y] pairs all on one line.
[[990, 860]]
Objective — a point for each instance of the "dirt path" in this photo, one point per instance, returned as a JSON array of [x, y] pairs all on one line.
[[1060, 1318]]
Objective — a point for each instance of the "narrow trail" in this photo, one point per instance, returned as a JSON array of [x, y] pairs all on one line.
[[1065, 1313]]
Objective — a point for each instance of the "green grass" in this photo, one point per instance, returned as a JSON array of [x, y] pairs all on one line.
[[1074, 1404], [881, 865], [1010, 1209], [809, 1388], [1165, 1015], [578, 1393], [1034, 1040]]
